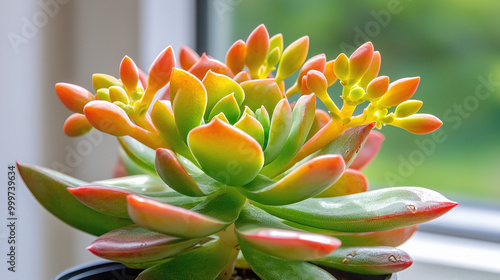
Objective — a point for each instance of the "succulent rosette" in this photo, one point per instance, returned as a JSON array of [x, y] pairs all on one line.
[[223, 171]]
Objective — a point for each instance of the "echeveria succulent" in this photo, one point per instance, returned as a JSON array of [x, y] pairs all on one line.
[[223, 170]]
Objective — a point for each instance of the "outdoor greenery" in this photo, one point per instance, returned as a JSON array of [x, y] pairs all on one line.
[[453, 45]]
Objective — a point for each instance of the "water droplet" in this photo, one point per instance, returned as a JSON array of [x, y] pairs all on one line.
[[412, 208], [393, 259]]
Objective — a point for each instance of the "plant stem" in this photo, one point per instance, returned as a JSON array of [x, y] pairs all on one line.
[[229, 239]]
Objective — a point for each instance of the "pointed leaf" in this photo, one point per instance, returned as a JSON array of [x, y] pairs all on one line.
[[129, 74], [211, 257], [164, 122], [173, 174], [263, 117], [302, 119], [321, 118], [73, 97], [160, 71], [189, 99], [229, 106], [205, 64], [133, 244], [399, 91], [187, 57], [236, 55], [218, 86], [281, 122], [367, 260], [251, 126], [290, 245], [225, 153], [50, 188], [372, 71], [368, 151], [304, 182], [351, 182], [261, 92], [293, 57], [377, 210], [257, 48]]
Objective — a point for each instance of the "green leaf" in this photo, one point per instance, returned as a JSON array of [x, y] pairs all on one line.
[[251, 126], [302, 119], [367, 260], [281, 122], [164, 122], [135, 245], [227, 105], [263, 117], [142, 155], [264, 92], [305, 181], [131, 167], [225, 153], [376, 210], [50, 189], [205, 262], [273, 268], [208, 217], [189, 99]]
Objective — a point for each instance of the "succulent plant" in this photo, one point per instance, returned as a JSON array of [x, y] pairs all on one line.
[[223, 170]]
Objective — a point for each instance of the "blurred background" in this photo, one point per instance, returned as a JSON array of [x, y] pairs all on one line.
[[454, 46]]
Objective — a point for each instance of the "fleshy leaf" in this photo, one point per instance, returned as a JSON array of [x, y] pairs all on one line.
[[50, 188], [317, 62], [174, 174], [302, 119], [218, 86], [189, 99], [108, 118], [263, 117], [133, 244], [131, 168], [376, 210], [212, 257], [187, 57], [251, 126], [329, 73], [139, 153], [321, 118], [290, 245], [399, 91], [264, 92], [229, 106], [257, 48], [160, 70], [281, 122], [367, 260], [303, 182], [351, 182], [164, 122], [368, 151], [205, 64], [73, 97], [76, 125], [225, 153], [235, 57], [293, 57]]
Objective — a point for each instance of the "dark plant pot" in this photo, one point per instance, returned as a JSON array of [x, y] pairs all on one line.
[[104, 270]]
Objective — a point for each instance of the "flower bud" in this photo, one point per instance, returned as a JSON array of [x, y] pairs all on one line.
[[73, 97], [129, 74], [293, 57], [187, 58], [408, 108], [377, 87], [257, 48], [399, 91], [341, 67], [329, 74], [356, 93], [418, 123], [273, 57], [372, 71], [160, 70], [276, 42], [104, 81], [76, 125], [117, 93], [360, 61], [103, 94], [108, 118], [235, 57]]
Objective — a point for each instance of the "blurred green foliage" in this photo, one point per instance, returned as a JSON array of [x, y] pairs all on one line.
[[454, 46]]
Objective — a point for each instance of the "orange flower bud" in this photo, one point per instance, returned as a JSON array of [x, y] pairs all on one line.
[[205, 63], [372, 71], [129, 74], [377, 87], [187, 57], [235, 57], [76, 125], [341, 67], [399, 91], [73, 97], [418, 123], [360, 61], [257, 48], [408, 108], [329, 74], [160, 70], [108, 118], [316, 82]]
